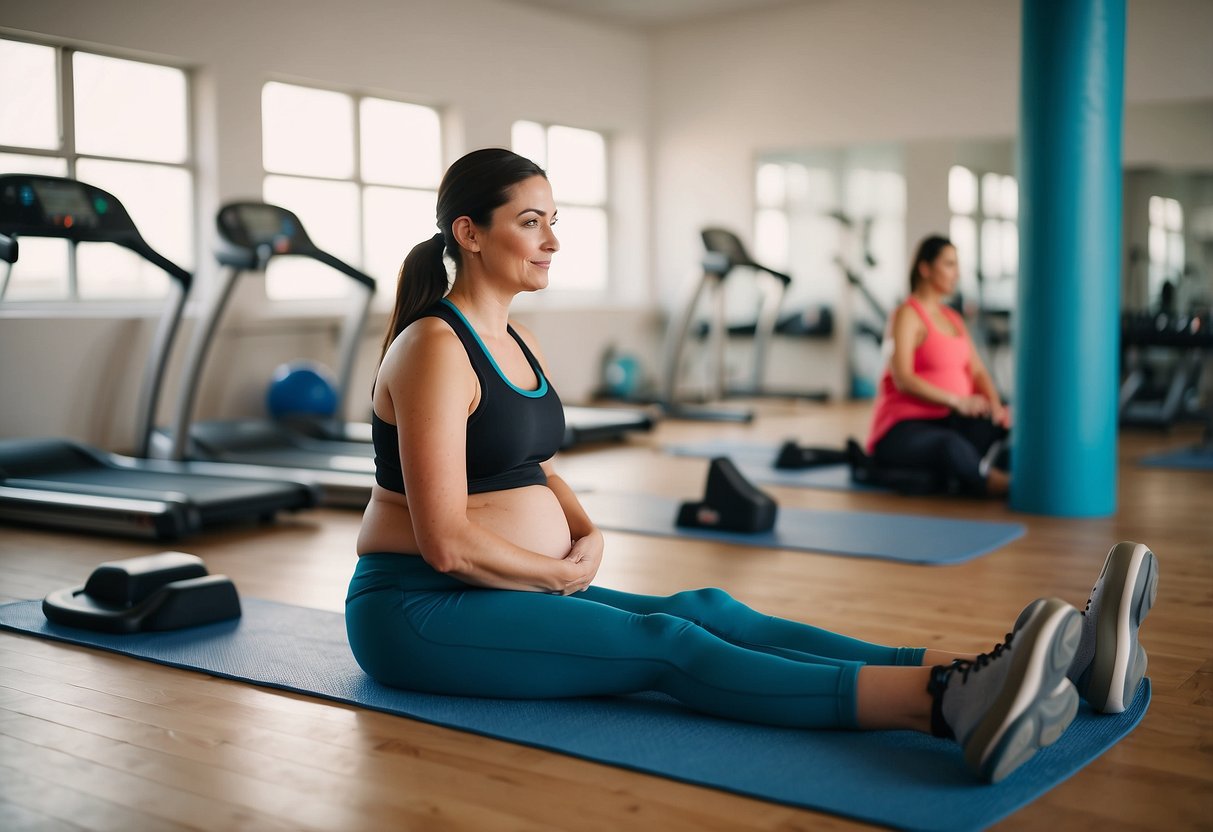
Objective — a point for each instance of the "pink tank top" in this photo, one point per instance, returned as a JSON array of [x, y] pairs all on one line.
[[942, 360]]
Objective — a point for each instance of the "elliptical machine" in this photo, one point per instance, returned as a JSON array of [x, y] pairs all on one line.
[[724, 252]]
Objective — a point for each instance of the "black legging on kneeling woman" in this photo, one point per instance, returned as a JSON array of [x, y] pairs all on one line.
[[954, 447]]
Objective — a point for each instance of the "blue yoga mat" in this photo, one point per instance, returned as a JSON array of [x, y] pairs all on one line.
[[757, 464], [869, 534], [1196, 458], [896, 778]]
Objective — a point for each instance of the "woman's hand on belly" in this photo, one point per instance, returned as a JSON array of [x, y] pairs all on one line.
[[586, 553]]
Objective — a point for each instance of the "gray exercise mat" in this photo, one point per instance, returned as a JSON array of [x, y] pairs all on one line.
[[1195, 458], [756, 462], [895, 778], [900, 537]]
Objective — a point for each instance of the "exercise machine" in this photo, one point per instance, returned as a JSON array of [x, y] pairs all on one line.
[[723, 253], [863, 327], [66, 484], [250, 234], [1162, 356]]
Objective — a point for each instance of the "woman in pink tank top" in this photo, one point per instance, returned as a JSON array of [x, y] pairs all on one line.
[[937, 407]]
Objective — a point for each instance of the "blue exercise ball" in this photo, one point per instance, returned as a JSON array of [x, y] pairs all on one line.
[[301, 388]]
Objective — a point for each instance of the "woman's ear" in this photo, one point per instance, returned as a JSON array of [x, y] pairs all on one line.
[[466, 234]]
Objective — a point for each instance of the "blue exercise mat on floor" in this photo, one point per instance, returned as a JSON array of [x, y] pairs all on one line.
[[757, 464], [901, 537], [1197, 458], [896, 778]]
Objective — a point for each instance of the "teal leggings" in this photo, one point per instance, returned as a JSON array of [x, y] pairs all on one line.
[[412, 627]]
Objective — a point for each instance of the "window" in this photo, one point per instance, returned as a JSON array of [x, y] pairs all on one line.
[[118, 124], [362, 173], [985, 231], [798, 227], [575, 161], [1166, 244]]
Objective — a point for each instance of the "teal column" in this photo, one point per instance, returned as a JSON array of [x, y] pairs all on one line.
[[1067, 330]]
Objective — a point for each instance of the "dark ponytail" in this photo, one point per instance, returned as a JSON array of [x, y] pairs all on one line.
[[474, 186], [928, 251]]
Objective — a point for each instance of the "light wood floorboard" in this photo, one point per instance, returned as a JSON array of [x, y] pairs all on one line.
[[91, 740]]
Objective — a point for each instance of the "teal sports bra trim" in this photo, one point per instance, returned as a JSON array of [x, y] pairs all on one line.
[[537, 393]]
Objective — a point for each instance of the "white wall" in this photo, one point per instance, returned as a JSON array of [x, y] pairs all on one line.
[[689, 109], [483, 63], [845, 72]]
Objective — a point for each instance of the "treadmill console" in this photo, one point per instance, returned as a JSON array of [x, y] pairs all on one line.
[[50, 206], [258, 227]]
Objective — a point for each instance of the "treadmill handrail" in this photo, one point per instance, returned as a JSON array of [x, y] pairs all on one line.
[[191, 374], [23, 212], [239, 256]]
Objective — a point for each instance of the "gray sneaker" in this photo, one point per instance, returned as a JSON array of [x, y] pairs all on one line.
[[1111, 662], [1010, 702]]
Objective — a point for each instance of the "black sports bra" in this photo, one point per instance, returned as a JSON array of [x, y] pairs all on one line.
[[509, 433]]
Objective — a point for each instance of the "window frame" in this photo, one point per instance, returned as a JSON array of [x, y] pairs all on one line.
[[1171, 266], [606, 206], [65, 50], [979, 218], [384, 293]]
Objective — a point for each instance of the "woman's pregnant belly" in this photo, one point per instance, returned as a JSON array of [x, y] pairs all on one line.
[[529, 517]]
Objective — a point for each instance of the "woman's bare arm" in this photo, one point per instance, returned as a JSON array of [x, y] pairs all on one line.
[[432, 388]]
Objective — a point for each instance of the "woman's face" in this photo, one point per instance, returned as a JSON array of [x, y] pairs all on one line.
[[943, 272], [519, 244]]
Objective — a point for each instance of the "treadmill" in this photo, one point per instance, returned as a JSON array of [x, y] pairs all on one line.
[[250, 234], [248, 227], [337, 452], [66, 484]]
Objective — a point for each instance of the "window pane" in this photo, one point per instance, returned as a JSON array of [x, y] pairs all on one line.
[[29, 106], [530, 140], [991, 194], [963, 233], [1158, 210], [1175, 254], [770, 186], [329, 213], [962, 190], [307, 131], [401, 143], [1010, 197], [20, 163], [577, 165], [860, 195], [129, 109], [890, 194], [581, 262], [1010, 248], [1158, 245], [771, 238], [821, 189], [991, 249], [799, 185], [160, 200], [395, 221], [1175, 215], [41, 271], [106, 271]]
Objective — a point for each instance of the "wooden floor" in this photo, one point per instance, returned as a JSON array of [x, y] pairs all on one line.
[[96, 741]]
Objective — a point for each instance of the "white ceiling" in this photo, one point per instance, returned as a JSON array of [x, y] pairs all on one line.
[[652, 13]]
